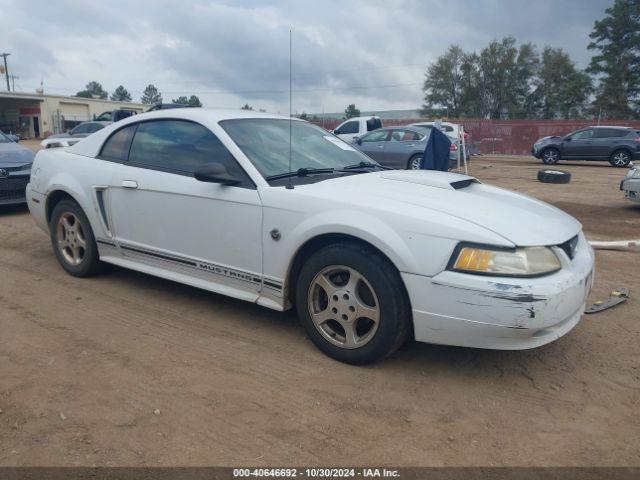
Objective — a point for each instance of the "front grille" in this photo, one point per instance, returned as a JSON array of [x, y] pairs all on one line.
[[13, 188]]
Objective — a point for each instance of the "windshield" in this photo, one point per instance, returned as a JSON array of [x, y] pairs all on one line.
[[265, 141]]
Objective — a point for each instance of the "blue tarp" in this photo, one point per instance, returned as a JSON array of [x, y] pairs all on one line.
[[436, 155]]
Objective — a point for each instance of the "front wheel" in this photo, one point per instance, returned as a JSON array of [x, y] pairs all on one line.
[[72, 239], [620, 158], [550, 156], [352, 303], [414, 162]]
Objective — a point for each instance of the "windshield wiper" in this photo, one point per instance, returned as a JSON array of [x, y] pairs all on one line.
[[301, 172], [364, 165]]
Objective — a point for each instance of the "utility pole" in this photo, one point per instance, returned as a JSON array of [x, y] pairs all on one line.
[[13, 81], [6, 70]]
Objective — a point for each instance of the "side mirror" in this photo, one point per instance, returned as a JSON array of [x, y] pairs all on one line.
[[567, 139], [215, 173], [357, 140], [336, 132]]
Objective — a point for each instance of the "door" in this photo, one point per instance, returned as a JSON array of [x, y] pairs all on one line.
[[579, 144], [165, 218], [373, 144], [348, 130], [606, 140], [401, 146]]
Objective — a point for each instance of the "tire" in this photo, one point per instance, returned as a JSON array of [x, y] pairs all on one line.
[[620, 158], [554, 176], [414, 162], [73, 241], [378, 288], [550, 156]]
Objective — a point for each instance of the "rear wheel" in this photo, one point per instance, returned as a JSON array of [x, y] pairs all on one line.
[[620, 158], [414, 162], [72, 239], [550, 156], [352, 303]]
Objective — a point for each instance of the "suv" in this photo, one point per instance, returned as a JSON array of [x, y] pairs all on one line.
[[353, 128], [618, 145]]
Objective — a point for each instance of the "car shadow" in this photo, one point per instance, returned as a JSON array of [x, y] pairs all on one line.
[[415, 357]]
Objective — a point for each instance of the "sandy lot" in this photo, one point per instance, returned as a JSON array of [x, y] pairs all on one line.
[[127, 369]]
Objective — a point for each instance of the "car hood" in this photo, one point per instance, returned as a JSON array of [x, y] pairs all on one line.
[[14, 154], [522, 220]]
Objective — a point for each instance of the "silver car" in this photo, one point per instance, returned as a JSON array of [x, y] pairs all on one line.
[[399, 147], [15, 168]]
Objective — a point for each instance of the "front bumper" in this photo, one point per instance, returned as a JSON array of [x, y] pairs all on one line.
[[12, 189], [501, 313]]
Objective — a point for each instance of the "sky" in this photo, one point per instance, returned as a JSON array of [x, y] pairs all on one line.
[[371, 53]]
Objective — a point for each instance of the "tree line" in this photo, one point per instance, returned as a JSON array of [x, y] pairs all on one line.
[[150, 96], [506, 80]]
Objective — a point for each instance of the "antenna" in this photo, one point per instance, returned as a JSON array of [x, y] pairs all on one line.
[[290, 183]]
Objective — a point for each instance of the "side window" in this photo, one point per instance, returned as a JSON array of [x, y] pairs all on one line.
[[104, 117], [350, 127], [180, 146], [583, 134], [373, 124], [94, 127], [404, 136], [116, 148], [378, 136], [610, 133]]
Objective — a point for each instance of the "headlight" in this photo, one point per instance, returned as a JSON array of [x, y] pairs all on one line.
[[519, 262]]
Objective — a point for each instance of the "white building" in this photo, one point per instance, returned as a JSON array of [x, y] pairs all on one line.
[[36, 115]]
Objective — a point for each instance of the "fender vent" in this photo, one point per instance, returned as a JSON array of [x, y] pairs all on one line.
[[102, 208]]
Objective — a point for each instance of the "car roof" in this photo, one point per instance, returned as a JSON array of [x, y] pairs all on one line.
[[616, 127], [206, 116]]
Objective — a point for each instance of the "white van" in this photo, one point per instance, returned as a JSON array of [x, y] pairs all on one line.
[[353, 128]]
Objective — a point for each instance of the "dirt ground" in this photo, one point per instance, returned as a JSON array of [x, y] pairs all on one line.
[[127, 369]]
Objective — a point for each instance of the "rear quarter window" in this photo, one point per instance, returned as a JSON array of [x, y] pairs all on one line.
[[116, 148]]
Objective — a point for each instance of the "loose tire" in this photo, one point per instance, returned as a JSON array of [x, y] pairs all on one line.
[[554, 176], [414, 162], [550, 156], [352, 303], [73, 241], [620, 158]]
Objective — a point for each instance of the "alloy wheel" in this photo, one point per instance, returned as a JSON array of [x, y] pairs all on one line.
[[344, 307], [620, 159], [415, 163], [71, 239], [550, 157]]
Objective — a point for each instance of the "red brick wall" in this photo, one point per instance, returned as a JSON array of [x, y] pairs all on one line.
[[513, 137]]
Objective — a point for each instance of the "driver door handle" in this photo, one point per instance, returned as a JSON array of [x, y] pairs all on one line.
[[380, 146], [129, 184]]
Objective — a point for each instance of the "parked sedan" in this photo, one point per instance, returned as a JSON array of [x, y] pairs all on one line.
[[618, 145], [400, 147], [15, 167], [222, 200], [73, 136]]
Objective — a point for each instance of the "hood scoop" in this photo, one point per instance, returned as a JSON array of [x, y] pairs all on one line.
[[431, 178]]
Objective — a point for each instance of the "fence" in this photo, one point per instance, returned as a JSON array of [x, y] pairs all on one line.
[[512, 137]]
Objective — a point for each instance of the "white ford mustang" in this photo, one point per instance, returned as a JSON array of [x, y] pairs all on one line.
[[369, 257]]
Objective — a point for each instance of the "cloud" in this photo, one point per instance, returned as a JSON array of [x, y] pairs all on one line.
[[229, 53]]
